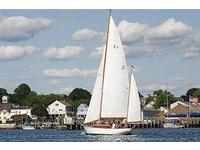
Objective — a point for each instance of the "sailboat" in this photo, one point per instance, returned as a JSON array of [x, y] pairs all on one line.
[[115, 100]]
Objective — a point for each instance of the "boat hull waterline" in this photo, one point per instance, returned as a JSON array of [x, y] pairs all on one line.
[[107, 131]]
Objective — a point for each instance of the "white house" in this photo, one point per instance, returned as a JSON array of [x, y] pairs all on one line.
[[149, 106], [81, 111], [5, 107], [20, 111], [177, 103], [163, 109], [58, 108]]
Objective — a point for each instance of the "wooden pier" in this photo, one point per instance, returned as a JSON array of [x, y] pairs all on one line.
[[187, 122]]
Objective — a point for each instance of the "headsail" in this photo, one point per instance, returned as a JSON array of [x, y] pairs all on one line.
[[134, 108], [94, 107]]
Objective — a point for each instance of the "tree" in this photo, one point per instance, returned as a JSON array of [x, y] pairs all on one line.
[[78, 94], [22, 90], [2, 92], [39, 111], [193, 92], [161, 98], [20, 93]]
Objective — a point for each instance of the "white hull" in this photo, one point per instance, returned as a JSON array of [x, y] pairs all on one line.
[[28, 128], [107, 131], [171, 125]]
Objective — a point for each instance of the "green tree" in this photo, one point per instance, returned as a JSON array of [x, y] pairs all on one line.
[[161, 98], [22, 90], [193, 92], [148, 99], [2, 92], [20, 94], [78, 94], [39, 110]]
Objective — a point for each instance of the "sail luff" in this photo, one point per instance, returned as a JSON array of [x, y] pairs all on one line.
[[105, 58]]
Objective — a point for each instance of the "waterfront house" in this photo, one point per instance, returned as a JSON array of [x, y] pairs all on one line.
[[149, 111], [183, 109], [20, 110], [60, 112], [149, 106], [81, 111], [5, 108]]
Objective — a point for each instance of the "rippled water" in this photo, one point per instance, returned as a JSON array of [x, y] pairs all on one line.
[[138, 135]]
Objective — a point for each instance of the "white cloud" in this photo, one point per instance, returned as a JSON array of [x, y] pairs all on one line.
[[177, 79], [169, 29], [64, 53], [171, 36], [138, 69], [190, 55], [131, 31], [67, 90], [54, 82], [16, 28], [11, 52], [85, 34], [97, 52], [75, 72], [156, 86]]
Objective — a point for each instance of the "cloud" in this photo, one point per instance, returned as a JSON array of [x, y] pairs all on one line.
[[65, 53], [75, 72], [131, 31], [67, 90], [85, 34], [12, 52], [171, 36], [17, 28], [156, 86], [190, 55], [97, 52], [54, 82], [138, 69], [177, 79]]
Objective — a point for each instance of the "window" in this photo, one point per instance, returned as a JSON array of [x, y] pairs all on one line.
[[57, 104]]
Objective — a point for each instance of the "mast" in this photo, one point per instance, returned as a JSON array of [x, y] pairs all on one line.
[[129, 93], [104, 65]]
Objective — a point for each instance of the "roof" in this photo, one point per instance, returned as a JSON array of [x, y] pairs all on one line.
[[5, 106], [21, 107], [62, 102], [184, 109], [65, 103]]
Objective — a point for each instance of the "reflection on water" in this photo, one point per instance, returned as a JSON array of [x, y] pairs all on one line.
[[138, 135]]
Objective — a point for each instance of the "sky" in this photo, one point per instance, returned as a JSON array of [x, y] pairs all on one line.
[[55, 51]]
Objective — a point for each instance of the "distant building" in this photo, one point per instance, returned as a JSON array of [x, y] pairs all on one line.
[[81, 111], [183, 109], [20, 110], [5, 108], [162, 111], [58, 108], [149, 106], [149, 110]]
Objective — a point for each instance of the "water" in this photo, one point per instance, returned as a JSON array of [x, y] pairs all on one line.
[[138, 135]]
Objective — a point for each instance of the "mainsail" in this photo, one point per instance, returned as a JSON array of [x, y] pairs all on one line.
[[115, 94], [112, 101], [134, 108]]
